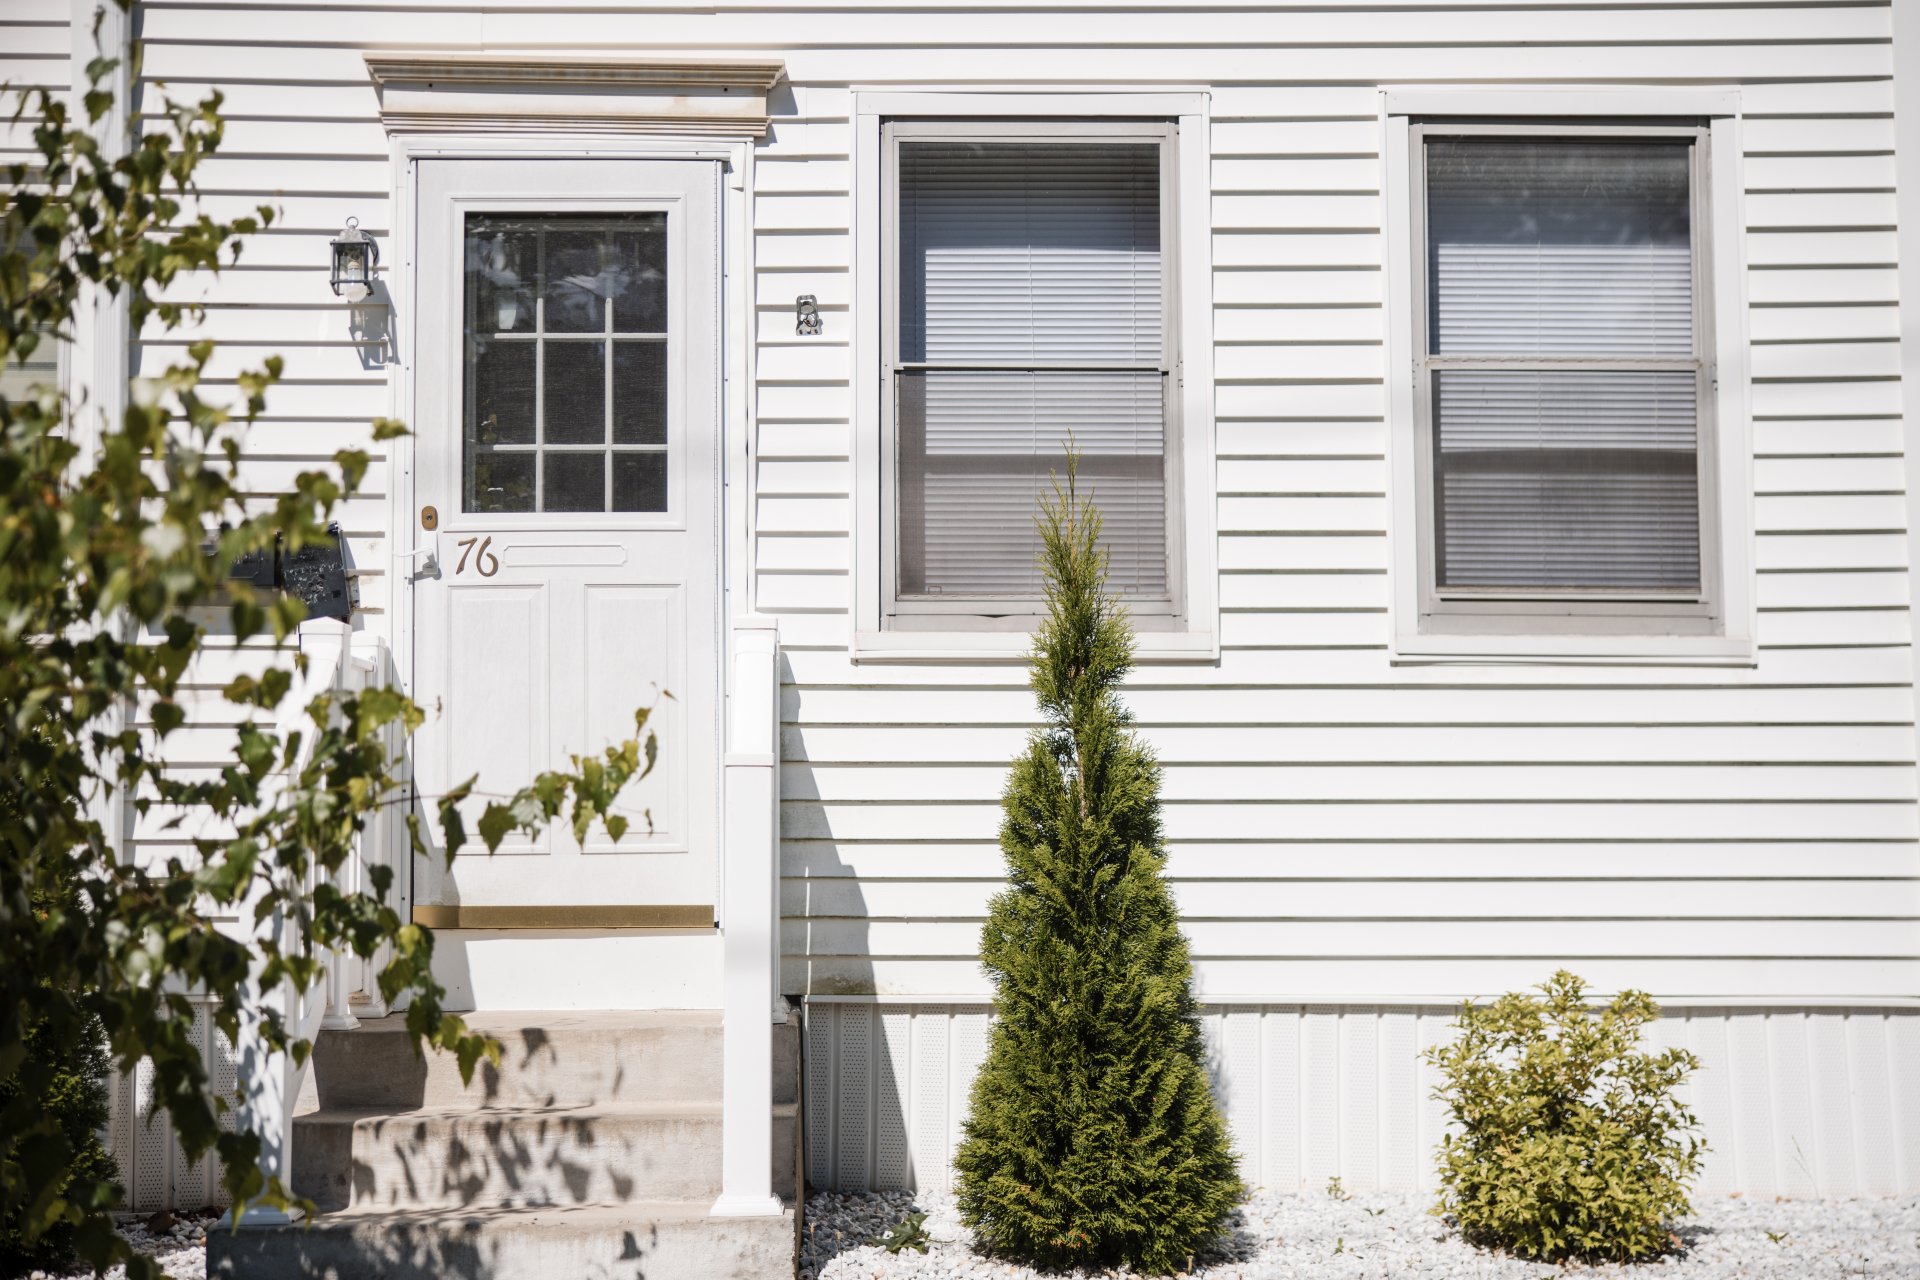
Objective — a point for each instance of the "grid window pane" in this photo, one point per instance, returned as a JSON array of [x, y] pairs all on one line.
[[1016, 253], [503, 387], [549, 299], [640, 305], [501, 482], [1569, 479], [576, 482], [639, 393], [639, 482], [576, 392], [580, 273], [503, 272]]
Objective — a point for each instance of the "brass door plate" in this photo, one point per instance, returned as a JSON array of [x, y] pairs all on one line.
[[457, 916], [429, 518]]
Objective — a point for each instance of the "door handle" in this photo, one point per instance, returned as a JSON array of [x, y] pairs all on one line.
[[432, 566]]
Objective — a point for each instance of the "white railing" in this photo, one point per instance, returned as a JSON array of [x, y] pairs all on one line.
[[750, 849], [270, 1083]]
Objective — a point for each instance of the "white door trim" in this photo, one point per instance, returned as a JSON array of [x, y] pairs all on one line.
[[734, 330]]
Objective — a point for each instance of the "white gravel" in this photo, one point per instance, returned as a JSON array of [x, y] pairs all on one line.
[[1306, 1236], [177, 1240], [1384, 1236]]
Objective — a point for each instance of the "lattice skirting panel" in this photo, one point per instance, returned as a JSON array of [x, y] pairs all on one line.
[[1794, 1102], [153, 1169]]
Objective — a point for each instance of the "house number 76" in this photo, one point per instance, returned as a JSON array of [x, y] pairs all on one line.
[[484, 560]]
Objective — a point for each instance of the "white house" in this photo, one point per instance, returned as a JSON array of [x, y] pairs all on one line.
[[1497, 411]]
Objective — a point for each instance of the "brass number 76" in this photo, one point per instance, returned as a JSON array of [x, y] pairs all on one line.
[[484, 560]]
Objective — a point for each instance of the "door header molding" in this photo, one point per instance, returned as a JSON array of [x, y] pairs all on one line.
[[484, 93]]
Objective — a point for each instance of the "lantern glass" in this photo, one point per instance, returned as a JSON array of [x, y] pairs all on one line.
[[354, 258]]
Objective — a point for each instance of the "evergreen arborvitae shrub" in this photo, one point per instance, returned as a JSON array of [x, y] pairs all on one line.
[[1093, 1138], [1570, 1143]]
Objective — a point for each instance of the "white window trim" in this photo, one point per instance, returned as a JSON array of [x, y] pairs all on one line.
[[1730, 518], [1191, 475]]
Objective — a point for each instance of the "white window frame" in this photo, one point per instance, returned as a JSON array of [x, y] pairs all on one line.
[[1185, 630], [1717, 626]]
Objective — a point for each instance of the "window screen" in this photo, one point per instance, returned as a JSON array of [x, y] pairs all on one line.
[[1030, 306], [566, 362], [1562, 366]]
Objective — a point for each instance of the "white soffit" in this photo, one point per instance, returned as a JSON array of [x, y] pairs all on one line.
[[453, 93]]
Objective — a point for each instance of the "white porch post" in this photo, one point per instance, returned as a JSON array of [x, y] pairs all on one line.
[[750, 849], [269, 1082]]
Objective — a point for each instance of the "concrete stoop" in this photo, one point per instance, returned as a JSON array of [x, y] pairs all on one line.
[[593, 1149]]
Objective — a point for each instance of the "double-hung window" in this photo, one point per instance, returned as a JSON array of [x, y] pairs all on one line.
[[1027, 308], [1564, 397]]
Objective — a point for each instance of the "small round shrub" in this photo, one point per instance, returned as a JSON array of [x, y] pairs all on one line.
[[1570, 1143]]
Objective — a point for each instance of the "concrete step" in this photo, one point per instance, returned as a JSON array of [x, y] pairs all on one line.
[[577, 1059], [464, 1157], [637, 1241]]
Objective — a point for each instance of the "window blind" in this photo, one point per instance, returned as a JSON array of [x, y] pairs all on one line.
[[1015, 256], [1547, 260]]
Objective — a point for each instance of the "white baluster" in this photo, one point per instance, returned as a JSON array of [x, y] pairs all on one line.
[[750, 849]]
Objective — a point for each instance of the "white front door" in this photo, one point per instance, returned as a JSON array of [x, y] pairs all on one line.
[[567, 476]]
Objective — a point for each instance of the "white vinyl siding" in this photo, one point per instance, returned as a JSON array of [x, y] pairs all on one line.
[[37, 44], [21, 377], [1344, 830]]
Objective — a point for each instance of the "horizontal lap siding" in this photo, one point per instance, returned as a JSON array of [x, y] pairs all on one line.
[[1340, 828], [36, 53], [303, 137]]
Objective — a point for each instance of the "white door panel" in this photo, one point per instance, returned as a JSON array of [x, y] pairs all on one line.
[[566, 441]]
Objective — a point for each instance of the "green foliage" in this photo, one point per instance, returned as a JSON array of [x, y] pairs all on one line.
[[1093, 1138], [1571, 1144], [908, 1233], [105, 590], [75, 1069]]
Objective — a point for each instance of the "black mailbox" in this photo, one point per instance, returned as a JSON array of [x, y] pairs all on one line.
[[317, 573], [260, 569]]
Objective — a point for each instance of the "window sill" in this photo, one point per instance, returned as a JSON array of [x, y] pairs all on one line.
[[1620, 650], [1151, 647]]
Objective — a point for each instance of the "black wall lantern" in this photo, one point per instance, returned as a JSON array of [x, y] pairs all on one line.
[[355, 256]]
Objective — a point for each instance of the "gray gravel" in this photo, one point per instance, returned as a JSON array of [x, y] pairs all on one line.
[[177, 1240], [1382, 1236]]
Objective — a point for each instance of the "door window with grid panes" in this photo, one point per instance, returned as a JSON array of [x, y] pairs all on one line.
[[566, 357]]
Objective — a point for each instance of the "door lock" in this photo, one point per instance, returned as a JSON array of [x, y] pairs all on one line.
[[429, 518]]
